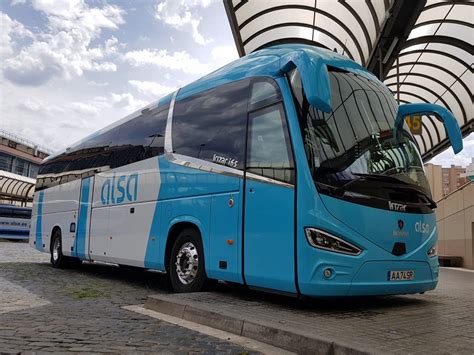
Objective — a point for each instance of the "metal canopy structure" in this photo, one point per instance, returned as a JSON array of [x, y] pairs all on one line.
[[16, 188], [435, 65], [421, 49]]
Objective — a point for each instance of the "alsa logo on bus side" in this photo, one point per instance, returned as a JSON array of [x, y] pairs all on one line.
[[118, 189]]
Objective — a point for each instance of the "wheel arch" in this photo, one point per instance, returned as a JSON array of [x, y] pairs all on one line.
[[175, 227]]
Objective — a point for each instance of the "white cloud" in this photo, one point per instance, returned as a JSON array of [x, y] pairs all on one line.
[[222, 55], [127, 101], [56, 122], [463, 158], [182, 60], [46, 109], [151, 88], [177, 61], [37, 106], [97, 83], [181, 15], [10, 31], [17, 2], [65, 49], [86, 109]]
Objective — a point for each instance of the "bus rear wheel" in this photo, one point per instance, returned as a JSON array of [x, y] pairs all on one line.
[[187, 273], [58, 260]]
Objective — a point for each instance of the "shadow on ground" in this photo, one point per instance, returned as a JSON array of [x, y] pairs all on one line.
[[103, 280]]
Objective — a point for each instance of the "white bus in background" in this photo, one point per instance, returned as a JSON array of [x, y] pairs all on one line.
[[15, 222]]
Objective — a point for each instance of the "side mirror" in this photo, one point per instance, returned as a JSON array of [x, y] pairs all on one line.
[[449, 121], [314, 77]]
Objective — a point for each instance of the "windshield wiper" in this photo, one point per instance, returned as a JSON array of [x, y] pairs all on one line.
[[363, 177], [398, 183]]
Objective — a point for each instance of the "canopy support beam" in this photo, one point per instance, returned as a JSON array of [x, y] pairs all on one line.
[[397, 27]]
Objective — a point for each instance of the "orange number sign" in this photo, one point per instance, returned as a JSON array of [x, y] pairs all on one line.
[[414, 123]]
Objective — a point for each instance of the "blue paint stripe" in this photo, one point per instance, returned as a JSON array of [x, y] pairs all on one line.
[[80, 250], [151, 254], [39, 223], [15, 231]]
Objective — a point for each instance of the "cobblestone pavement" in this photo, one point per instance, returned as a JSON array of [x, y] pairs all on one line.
[[46, 309]]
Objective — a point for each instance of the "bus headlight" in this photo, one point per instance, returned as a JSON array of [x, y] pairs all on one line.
[[433, 251], [323, 240]]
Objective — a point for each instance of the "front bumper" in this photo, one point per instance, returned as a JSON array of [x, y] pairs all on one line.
[[371, 279]]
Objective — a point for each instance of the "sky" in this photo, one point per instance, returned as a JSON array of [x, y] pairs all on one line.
[[70, 67]]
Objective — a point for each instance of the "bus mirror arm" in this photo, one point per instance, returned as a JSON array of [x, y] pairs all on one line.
[[314, 77], [442, 114]]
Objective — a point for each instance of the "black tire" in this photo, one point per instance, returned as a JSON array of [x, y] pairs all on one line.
[[58, 260], [187, 276]]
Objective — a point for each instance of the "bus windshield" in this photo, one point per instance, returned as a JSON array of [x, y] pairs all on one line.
[[354, 145]]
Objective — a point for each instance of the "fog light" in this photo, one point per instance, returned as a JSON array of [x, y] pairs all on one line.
[[433, 251], [327, 273], [323, 240]]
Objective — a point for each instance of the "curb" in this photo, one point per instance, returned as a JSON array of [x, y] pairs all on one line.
[[266, 333]]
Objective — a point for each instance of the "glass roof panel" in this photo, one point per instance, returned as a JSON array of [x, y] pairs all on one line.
[[364, 12], [433, 13], [462, 12], [274, 18], [278, 33], [453, 50], [425, 30], [450, 64]]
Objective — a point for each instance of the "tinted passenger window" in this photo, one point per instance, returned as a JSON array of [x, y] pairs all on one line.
[[212, 125], [269, 149], [140, 138]]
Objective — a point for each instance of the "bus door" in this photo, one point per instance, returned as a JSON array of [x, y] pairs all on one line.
[[81, 244], [269, 202]]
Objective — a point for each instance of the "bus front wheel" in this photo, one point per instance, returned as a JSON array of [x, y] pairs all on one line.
[[187, 273]]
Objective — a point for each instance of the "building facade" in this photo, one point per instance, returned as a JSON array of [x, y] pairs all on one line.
[[453, 179], [19, 165], [469, 175], [453, 190], [444, 181], [455, 220], [20, 156]]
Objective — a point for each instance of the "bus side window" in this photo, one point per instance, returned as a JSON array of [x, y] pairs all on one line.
[[264, 91], [211, 125], [269, 148], [140, 138]]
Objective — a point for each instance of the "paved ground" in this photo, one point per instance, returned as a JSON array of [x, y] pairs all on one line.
[[438, 322], [46, 309], [42, 308]]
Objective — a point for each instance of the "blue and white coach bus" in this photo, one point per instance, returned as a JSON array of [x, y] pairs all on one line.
[[290, 169]]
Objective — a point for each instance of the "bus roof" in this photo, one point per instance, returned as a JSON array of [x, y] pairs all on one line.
[[264, 62]]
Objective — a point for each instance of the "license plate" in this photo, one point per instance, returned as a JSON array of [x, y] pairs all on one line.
[[406, 275]]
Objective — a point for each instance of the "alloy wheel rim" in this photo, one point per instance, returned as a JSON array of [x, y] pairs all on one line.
[[187, 261], [56, 246]]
